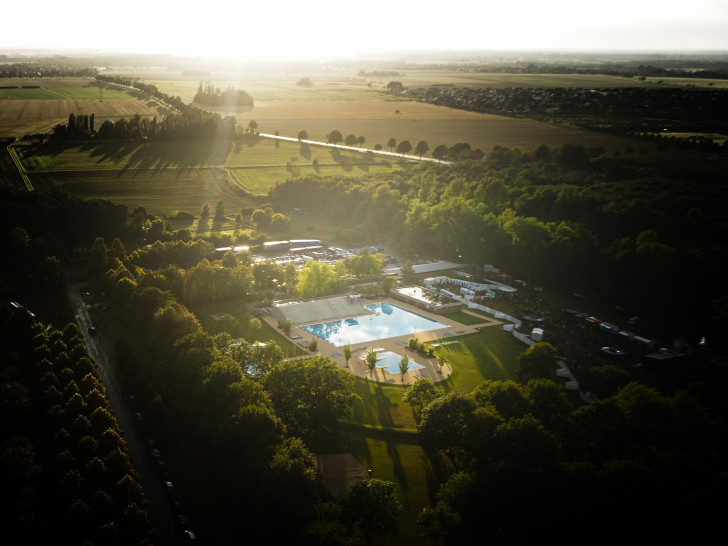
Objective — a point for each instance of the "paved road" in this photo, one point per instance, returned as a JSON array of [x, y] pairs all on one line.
[[355, 149], [101, 349]]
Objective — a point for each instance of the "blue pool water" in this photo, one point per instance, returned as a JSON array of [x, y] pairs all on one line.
[[387, 320], [390, 362]]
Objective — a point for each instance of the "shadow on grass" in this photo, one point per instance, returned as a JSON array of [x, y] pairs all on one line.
[[399, 470], [146, 156]]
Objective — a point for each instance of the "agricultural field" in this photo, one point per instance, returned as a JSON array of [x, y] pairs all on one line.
[[167, 176], [139, 174], [36, 105], [358, 105]]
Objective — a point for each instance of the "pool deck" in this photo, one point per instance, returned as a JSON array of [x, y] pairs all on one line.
[[397, 345]]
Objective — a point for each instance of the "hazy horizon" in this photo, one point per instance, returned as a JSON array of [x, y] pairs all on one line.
[[323, 29]]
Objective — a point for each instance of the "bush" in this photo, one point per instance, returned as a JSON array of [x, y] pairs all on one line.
[[182, 216], [313, 346]]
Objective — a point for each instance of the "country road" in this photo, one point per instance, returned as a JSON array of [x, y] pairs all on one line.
[[393, 155], [101, 349]]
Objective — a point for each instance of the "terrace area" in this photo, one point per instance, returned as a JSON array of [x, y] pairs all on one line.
[[427, 299]]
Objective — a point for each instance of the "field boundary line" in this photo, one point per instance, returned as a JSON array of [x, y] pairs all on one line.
[[19, 165]]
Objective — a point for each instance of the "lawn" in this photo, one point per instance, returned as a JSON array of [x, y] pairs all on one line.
[[382, 430], [239, 326]]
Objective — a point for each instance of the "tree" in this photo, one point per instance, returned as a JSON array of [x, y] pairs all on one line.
[[310, 395], [508, 398], [252, 126], [373, 505], [316, 279], [360, 140], [441, 360], [422, 148], [347, 353], [440, 152], [350, 140], [420, 394], [279, 222], [389, 282], [392, 143], [548, 402], [403, 366], [445, 424], [538, 361], [408, 273], [302, 134], [603, 381], [525, 442], [220, 210], [371, 360], [334, 137], [261, 218], [404, 147]]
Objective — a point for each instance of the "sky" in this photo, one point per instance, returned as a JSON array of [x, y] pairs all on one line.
[[298, 29]]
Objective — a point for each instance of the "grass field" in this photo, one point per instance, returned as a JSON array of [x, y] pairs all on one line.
[[382, 430], [168, 176]]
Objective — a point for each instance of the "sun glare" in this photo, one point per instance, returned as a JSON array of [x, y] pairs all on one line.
[[323, 28]]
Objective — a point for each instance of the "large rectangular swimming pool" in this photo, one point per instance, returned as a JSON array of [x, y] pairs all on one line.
[[387, 320]]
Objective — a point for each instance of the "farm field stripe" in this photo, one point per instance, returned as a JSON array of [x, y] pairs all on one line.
[[21, 170]]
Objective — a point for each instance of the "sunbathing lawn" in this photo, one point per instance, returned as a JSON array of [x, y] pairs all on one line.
[[382, 432]]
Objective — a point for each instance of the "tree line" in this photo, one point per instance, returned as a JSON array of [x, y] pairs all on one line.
[[66, 470], [525, 464], [188, 121]]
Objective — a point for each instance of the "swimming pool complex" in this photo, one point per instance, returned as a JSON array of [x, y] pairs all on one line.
[[387, 320]]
